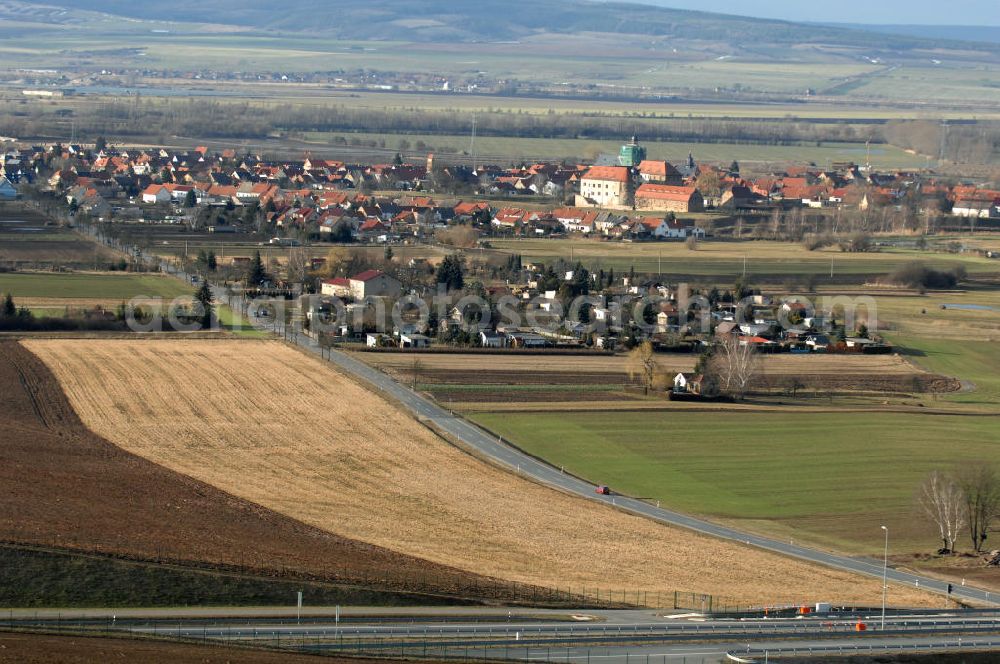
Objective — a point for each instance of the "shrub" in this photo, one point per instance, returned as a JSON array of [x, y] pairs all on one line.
[[918, 275]]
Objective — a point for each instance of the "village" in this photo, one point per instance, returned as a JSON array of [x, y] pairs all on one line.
[[629, 198], [488, 304]]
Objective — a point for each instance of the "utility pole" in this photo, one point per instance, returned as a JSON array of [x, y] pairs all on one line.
[[885, 569], [472, 144]]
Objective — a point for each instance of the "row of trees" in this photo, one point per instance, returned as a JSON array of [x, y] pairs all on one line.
[[967, 499], [219, 118]]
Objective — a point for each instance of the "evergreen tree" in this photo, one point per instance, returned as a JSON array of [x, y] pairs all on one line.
[[451, 273], [204, 296], [211, 261], [9, 309], [257, 275], [190, 200]]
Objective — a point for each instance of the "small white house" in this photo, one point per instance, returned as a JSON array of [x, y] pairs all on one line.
[[489, 339], [414, 341], [376, 340], [156, 193], [687, 383]]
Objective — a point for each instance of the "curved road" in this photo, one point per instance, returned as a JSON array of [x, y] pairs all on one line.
[[521, 463], [528, 466]]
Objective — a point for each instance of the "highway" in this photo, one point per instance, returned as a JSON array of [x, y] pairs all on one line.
[[615, 636]]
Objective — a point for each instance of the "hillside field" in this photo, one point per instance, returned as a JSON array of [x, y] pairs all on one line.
[[68, 492], [271, 425]]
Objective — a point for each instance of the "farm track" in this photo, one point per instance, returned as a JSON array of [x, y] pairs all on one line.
[[66, 487], [274, 426]]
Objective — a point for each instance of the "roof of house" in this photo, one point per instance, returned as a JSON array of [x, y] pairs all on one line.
[[338, 281], [611, 173], [367, 275], [664, 192], [658, 168]]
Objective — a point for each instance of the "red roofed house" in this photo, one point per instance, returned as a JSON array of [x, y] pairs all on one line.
[[156, 193], [667, 198], [659, 172], [338, 287], [373, 283], [606, 186]]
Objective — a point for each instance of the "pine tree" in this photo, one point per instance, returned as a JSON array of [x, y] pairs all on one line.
[[211, 261], [204, 297], [9, 308], [257, 275]]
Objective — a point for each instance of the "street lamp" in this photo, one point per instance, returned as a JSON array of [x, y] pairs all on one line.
[[885, 568]]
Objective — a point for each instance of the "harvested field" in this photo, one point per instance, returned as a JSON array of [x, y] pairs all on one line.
[[28, 239], [469, 377], [50, 649], [273, 426], [66, 487]]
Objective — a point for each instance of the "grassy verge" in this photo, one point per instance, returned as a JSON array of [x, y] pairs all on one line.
[[31, 578]]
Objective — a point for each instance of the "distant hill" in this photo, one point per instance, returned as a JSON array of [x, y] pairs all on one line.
[[487, 20], [972, 33]]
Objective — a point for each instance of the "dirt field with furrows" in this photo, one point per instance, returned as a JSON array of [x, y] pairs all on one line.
[[844, 373], [65, 486], [271, 425], [50, 649]]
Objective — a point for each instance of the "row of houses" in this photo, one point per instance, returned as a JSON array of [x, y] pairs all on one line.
[[297, 192]]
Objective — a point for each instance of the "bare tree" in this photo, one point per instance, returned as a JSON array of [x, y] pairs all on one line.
[[942, 499], [415, 369], [737, 366], [981, 493], [298, 264], [641, 363]]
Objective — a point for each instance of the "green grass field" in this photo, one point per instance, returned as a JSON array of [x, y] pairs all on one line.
[[726, 258], [831, 478], [90, 286], [506, 148]]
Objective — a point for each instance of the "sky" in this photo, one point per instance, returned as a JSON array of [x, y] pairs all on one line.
[[927, 12]]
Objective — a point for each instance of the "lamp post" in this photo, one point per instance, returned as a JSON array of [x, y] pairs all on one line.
[[885, 568]]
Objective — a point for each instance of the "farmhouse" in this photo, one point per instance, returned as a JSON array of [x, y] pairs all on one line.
[[373, 283], [688, 383], [667, 198], [606, 186], [338, 287], [414, 341]]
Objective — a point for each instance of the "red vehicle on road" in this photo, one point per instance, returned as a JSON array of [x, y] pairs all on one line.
[[603, 490]]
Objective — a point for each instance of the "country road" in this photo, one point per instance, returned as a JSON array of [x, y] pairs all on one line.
[[500, 452]]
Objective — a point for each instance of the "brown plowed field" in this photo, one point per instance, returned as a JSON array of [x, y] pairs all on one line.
[[267, 423], [816, 373], [48, 649], [65, 486]]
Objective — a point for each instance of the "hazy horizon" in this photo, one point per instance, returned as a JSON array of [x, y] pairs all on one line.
[[888, 12]]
